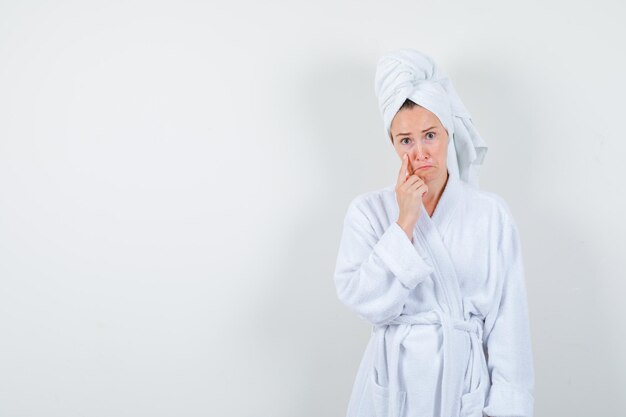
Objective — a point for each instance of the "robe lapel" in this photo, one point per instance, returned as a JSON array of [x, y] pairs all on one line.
[[429, 232]]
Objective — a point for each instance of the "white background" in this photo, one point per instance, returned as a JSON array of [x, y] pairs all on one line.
[[174, 176]]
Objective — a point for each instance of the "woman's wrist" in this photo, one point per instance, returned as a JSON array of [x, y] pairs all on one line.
[[408, 228]]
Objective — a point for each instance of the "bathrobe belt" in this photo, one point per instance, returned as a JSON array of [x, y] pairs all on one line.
[[452, 375]]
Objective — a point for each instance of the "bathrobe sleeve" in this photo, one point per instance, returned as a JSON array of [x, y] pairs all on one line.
[[509, 353], [375, 273]]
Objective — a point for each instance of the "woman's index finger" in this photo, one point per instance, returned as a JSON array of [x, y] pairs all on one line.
[[403, 174], [409, 166]]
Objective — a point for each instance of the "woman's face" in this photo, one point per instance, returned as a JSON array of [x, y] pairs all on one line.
[[419, 133]]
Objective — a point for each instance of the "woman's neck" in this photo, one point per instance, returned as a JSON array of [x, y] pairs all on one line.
[[435, 190]]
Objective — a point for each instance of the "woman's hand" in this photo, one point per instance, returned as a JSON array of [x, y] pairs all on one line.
[[409, 191]]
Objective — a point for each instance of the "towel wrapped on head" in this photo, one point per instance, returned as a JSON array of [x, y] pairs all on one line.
[[409, 74]]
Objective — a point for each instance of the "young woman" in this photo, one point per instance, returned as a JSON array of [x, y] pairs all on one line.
[[435, 265]]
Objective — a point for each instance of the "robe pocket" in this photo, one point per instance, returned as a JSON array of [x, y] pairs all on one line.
[[381, 400], [473, 402]]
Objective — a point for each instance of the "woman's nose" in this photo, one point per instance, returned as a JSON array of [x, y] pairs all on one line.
[[419, 153]]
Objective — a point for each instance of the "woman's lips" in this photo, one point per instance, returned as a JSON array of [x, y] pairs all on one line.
[[425, 166]]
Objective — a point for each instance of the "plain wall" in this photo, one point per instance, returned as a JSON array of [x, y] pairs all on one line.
[[174, 177]]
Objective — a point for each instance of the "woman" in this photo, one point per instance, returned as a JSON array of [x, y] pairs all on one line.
[[435, 265]]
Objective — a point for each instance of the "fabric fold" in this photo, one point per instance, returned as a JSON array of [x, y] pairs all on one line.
[[396, 250], [508, 400]]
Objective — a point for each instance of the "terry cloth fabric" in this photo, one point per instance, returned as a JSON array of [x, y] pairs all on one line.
[[407, 73]]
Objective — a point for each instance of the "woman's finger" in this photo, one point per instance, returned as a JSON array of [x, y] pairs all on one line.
[[423, 189], [412, 180], [409, 166], [402, 175]]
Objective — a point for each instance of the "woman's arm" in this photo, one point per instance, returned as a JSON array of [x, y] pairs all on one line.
[[508, 342], [374, 275]]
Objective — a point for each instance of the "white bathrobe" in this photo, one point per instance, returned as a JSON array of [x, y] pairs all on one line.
[[450, 333]]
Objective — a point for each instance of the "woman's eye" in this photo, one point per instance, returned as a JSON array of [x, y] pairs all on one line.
[[402, 141], [430, 137]]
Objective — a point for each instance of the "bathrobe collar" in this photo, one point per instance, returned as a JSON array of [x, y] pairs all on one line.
[[448, 202]]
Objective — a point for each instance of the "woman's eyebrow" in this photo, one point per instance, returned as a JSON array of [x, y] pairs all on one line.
[[406, 134]]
